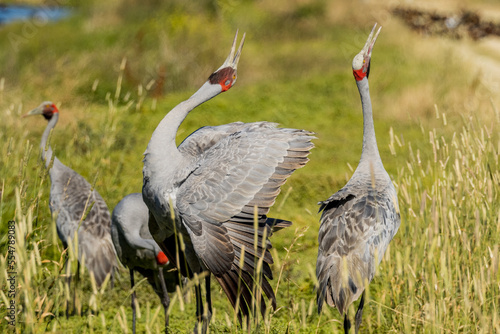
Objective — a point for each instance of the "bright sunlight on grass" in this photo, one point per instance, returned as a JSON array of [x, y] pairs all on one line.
[[115, 68]]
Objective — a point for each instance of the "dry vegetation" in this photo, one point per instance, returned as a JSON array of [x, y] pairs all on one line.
[[116, 68]]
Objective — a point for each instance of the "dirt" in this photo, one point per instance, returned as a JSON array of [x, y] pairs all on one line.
[[475, 27]]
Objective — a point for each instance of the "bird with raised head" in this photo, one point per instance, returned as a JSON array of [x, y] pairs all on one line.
[[210, 196], [71, 196], [358, 221]]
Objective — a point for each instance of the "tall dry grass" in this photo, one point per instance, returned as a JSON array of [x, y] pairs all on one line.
[[441, 273]]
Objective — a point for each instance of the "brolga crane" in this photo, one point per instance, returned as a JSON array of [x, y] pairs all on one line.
[[219, 185], [359, 220], [71, 196], [137, 250]]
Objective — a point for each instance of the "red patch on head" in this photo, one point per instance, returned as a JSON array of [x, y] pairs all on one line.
[[49, 110], [359, 74], [161, 258], [224, 77]]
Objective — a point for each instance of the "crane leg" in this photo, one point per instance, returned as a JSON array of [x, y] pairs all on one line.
[[347, 324], [166, 299], [199, 308], [133, 299], [359, 313], [68, 282], [202, 316], [208, 315], [75, 286]]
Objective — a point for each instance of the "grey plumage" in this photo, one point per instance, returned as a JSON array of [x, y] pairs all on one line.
[[71, 197], [213, 182], [137, 250], [133, 242], [359, 221]]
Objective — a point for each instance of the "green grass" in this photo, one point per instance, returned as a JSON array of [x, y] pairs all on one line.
[[441, 273]]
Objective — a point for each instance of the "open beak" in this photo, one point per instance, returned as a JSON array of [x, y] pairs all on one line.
[[234, 56], [370, 42], [37, 111]]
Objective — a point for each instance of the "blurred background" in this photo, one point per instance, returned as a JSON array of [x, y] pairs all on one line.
[[116, 67]]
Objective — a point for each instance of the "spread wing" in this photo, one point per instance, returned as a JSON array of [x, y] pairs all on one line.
[[356, 228], [207, 136], [241, 173]]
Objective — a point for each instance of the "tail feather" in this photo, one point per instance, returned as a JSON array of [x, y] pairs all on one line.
[[335, 291], [100, 257], [277, 224]]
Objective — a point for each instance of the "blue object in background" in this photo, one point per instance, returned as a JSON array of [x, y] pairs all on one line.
[[9, 14]]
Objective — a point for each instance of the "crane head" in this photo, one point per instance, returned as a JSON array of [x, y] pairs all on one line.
[[161, 258], [47, 109], [361, 62], [225, 75]]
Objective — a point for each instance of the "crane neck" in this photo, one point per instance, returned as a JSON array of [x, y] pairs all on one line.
[[162, 148], [370, 151], [46, 149]]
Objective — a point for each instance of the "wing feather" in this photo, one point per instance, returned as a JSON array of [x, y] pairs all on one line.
[[236, 175], [356, 228], [72, 197]]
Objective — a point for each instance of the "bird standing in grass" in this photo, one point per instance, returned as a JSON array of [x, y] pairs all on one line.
[[359, 220], [209, 198], [138, 251], [77, 208]]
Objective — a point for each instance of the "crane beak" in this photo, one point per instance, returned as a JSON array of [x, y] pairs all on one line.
[[370, 42], [234, 56], [37, 111]]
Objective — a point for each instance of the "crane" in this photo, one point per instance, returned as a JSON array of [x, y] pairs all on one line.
[[137, 250], [358, 221], [71, 196], [210, 196]]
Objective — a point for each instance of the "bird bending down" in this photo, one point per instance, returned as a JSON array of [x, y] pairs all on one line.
[[219, 183], [359, 220], [71, 196], [137, 250]]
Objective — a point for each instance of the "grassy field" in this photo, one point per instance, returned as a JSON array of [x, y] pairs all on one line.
[[116, 68]]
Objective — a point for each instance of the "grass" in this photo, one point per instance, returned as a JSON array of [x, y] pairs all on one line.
[[437, 130]]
